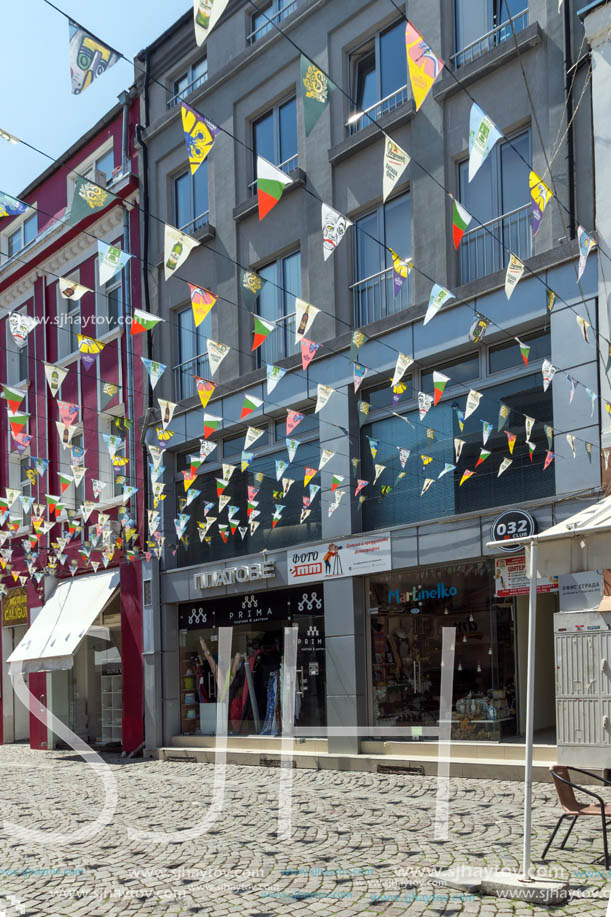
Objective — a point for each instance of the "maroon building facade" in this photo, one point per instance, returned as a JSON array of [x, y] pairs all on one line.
[[101, 697]]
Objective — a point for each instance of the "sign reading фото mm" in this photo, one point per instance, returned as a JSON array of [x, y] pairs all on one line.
[[344, 557]]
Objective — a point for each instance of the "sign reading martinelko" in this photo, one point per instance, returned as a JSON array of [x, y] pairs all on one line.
[[15, 608], [229, 576]]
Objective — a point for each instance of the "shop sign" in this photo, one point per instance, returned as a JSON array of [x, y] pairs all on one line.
[[513, 523], [229, 576], [335, 559], [254, 608], [510, 577], [418, 594], [15, 608], [580, 591]]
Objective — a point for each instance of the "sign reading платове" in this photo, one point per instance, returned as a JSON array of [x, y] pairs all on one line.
[[342, 557]]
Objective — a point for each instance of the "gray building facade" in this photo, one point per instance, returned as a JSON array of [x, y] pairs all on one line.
[[377, 659]]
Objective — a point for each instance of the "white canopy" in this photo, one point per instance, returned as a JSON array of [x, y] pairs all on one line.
[[55, 635], [580, 543]]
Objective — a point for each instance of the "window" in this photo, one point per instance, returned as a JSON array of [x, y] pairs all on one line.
[[235, 445], [274, 137], [191, 199], [379, 75], [522, 481], [106, 164], [276, 11], [277, 300], [17, 358], [188, 82], [309, 424], [498, 197], [374, 287], [192, 352], [460, 371], [22, 236], [113, 291], [507, 356], [484, 24]]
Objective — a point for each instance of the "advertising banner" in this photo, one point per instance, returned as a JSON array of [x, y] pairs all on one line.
[[343, 557]]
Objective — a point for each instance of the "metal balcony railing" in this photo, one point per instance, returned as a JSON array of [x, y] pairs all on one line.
[[193, 85], [275, 17], [197, 223], [287, 166], [375, 111], [373, 297], [490, 40], [484, 250], [184, 373]]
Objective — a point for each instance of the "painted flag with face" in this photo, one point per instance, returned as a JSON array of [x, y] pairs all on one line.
[[334, 226]]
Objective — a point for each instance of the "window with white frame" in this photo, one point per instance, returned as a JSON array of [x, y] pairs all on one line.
[[109, 302], [68, 313], [378, 71], [191, 210], [182, 86], [17, 358], [100, 161], [18, 238]]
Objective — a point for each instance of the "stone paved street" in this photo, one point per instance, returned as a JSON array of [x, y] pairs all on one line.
[[354, 835]]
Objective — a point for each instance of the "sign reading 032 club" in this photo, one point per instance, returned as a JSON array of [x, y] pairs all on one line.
[[343, 557], [513, 523]]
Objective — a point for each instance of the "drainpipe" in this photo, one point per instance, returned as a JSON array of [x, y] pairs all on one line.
[[568, 64], [127, 298]]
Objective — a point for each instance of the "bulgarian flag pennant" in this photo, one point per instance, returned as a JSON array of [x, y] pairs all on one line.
[[439, 383], [251, 403], [460, 220], [483, 455], [271, 182], [13, 396], [211, 424], [524, 350], [261, 331], [17, 422], [65, 480], [337, 480], [143, 321]]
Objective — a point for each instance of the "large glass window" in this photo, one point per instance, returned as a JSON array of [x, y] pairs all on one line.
[[188, 82], [379, 76], [277, 300], [460, 371], [408, 611], [523, 480], [483, 24], [498, 196], [106, 164], [191, 207], [288, 531], [22, 236], [274, 137], [507, 355], [374, 287], [261, 21], [192, 352]]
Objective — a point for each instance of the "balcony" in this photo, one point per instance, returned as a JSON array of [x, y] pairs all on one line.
[[263, 29], [184, 373], [195, 84], [374, 112], [484, 250], [196, 223], [490, 40], [373, 297]]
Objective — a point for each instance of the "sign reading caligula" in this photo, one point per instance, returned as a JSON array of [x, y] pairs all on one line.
[[15, 608], [229, 576]]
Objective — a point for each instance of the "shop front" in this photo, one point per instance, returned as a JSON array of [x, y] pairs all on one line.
[[253, 689], [407, 612], [15, 621]]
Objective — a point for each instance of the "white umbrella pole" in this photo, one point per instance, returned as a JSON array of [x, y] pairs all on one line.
[[530, 708]]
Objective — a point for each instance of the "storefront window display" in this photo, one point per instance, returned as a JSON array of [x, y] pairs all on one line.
[[407, 612], [254, 689]]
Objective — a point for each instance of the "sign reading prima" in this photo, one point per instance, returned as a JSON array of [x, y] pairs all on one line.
[[229, 576]]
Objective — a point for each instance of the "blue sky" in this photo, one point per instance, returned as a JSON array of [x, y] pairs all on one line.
[[37, 104]]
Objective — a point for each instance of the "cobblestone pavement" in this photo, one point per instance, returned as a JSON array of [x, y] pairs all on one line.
[[365, 837]]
